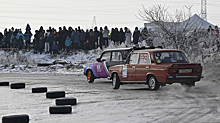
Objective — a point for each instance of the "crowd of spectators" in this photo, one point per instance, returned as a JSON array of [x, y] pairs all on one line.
[[53, 41]]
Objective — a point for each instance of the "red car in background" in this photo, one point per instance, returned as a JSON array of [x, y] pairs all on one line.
[[156, 67]]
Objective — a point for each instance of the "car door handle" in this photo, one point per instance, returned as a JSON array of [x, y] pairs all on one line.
[[147, 67], [133, 67]]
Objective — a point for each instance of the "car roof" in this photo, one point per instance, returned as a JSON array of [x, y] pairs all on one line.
[[118, 49], [158, 50]]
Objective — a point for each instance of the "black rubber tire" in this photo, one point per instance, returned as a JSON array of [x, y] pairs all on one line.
[[115, 81], [39, 90], [66, 101], [4, 83], [60, 109], [92, 78], [156, 83], [17, 85], [55, 94], [15, 119]]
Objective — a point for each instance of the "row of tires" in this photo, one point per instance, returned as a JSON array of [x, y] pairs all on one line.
[[63, 104]]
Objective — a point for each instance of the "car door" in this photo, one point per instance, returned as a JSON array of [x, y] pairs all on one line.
[[101, 67], [143, 66], [128, 73]]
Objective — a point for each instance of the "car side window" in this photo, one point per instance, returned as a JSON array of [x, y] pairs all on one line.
[[134, 58], [106, 56], [144, 58], [116, 56]]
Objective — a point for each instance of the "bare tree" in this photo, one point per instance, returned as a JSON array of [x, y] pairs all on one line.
[[174, 26]]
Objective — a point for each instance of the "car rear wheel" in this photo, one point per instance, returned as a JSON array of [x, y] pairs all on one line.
[[153, 83], [115, 81], [90, 76]]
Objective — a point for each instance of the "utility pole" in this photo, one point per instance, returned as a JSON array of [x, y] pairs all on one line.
[[94, 22], [203, 10]]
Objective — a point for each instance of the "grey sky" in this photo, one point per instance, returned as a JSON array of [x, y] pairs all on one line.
[[113, 13]]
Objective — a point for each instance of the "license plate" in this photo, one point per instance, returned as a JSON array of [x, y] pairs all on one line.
[[185, 71]]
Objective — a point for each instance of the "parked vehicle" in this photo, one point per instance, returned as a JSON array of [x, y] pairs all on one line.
[[108, 58], [156, 67]]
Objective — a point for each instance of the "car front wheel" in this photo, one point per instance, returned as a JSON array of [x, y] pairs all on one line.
[[90, 76], [153, 83], [115, 81]]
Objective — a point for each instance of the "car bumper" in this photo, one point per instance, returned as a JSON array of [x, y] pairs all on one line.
[[180, 79], [183, 77]]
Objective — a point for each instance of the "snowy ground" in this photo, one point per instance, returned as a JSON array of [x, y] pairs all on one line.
[[99, 103]]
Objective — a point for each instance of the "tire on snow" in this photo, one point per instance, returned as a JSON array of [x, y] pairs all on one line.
[[55, 94], [90, 76], [153, 84], [66, 101], [17, 85], [116, 81], [60, 109], [15, 119], [4, 83], [39, 90]]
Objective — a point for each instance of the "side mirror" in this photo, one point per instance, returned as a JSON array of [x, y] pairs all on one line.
[[98, 59]]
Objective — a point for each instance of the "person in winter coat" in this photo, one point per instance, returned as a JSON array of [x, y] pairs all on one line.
[[105, 33], [20, 43], [136, 35], [48, 43], [8, 38], [91, 39], [87, 46], [28, 28], [82, 39], [216, 32], [95, 38], [128, 38], [54, 48], [121, 36], [41, 44], [27, 38], [116, 38], [77, 40], [68, 44], [20, 34], [1, 37], [101, 40], [73, 38]]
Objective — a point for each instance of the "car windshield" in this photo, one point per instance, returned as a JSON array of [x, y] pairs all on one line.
[[170, 57]]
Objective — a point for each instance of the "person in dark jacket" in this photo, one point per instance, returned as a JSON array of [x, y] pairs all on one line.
[[91, 39], [121, 36], [64, 35], [136, 35], [20, 43], [41, 45], [101, 39], [77, 40], [87, 46], [95, 38], [82, 39], [27, 38], [54, 48]]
